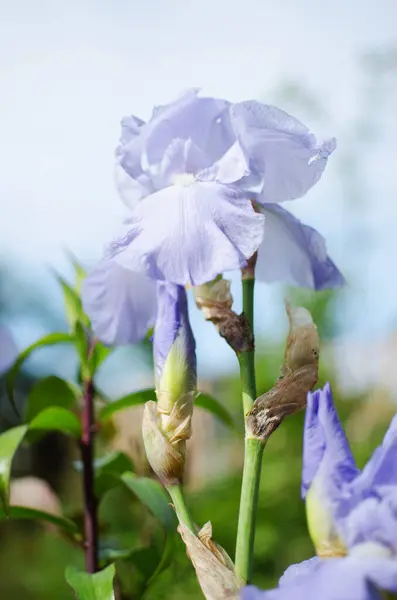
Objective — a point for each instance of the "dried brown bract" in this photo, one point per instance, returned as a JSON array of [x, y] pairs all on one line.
[[299, 375]]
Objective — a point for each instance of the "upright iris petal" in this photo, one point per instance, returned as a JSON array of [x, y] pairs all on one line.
[[289, 157], [294, 253]]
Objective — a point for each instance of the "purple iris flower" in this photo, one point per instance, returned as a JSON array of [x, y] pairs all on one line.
[[191, 176], [352, 514]]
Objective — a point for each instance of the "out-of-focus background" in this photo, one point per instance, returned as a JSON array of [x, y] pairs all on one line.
[[69, 73]]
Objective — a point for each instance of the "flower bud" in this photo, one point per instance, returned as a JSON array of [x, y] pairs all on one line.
[[167, 424]]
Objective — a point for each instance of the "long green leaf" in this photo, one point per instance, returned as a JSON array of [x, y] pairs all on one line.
[[9, 442], [213, 406], [48, 340], [56, 418], [23, 512], [51, 391], [92, 587], [131, 400], [152, 495]]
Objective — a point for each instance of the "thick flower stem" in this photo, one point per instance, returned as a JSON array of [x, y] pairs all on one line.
[[247, 376], [90, 503], [248, 298], [248, 505], [182, 511], [253, 450]]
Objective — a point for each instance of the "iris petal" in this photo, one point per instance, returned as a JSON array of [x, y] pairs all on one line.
[[294, 253], [121, 304], [190, 234], [281, 148]]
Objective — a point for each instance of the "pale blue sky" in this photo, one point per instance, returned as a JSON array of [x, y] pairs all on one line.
[[71, 70]]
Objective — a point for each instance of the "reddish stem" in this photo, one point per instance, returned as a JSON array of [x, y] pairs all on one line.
[[90, 502]]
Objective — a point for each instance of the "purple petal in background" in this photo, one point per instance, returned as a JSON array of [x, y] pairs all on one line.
[[121, 304]]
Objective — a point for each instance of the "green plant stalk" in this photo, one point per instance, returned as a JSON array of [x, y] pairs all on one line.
[[248, 505], [247, 376], [182, 511], [248, 299], [253, 452]]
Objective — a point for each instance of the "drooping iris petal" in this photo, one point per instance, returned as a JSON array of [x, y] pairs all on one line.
[[120, 303], [294, 253], [290, 158], [190, 234]]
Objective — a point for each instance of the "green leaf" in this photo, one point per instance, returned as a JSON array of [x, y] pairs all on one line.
[[73, 305], [23, 512], [81, 342], [48, 340], [79, 271], [213, 406], [9, 442], [51, 391], [152, 495], [56, 418], [92, 587], [131, 400]]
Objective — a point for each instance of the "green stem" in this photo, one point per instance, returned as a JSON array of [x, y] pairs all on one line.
[[247, 376], [253, 452], [248, 505], [182, 511], [248, 299]]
